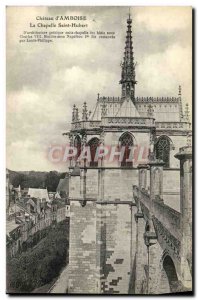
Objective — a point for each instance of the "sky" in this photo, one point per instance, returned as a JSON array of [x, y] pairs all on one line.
[[45, 80]]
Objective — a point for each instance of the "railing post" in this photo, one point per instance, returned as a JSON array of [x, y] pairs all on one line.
[[185, 157], [156, 180], [142, 176]]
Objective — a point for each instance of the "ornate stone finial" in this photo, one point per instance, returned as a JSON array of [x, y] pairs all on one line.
[[187, 113], [128, 66], [84, 139], [189, 140], [129, 21], [74, 113], [150, 111], [104, 110], [84, 112], [180, 103], [152, 148], [77, 115], [102, 135], [179, 91], [71, 140]]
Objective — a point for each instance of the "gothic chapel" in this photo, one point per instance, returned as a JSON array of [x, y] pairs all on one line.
[[106, 238]]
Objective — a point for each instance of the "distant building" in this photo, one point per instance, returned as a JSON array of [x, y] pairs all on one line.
[[13, 237], [28, 216], [58, 210], [11, 192], [38, 193], [62, 191], [63, 186]]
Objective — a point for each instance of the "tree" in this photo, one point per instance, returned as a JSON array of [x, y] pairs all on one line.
[[52, 180]]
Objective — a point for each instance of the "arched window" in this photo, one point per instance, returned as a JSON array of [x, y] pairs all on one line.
[[126, 141], [93, 144], [162, 150], [77, 144]]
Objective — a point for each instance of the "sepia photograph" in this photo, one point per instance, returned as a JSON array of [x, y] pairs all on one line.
[[99, 139]]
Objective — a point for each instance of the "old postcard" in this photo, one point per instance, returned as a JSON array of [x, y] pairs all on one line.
[[99, 150]]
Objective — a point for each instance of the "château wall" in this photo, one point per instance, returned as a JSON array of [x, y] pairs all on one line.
[[103, 232], [171, 188], [102, 241], [115, 253], [82, 248], [118, 184]]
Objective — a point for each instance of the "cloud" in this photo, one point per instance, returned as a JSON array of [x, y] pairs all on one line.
[[165, 71], [26, 152], [29, 69], [161, 18], [45, 80]]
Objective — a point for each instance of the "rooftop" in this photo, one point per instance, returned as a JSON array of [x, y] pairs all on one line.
[[38, 193], [10, 226]]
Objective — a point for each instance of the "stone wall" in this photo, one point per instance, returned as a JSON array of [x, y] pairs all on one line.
[[102, 234], [171, 188], [118, 184], [115, 240], [141, 258], [82, 248]]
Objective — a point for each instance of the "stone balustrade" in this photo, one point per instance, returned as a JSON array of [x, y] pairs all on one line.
[[86, 124], [141, 99], [129, 121], [118, 121], [172, 125], [156, 99], [167, 216], [109, 99]]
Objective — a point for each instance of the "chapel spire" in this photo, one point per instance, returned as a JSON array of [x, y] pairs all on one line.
[[128, 66]]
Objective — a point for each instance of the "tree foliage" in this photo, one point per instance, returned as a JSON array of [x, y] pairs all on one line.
[[40, 265], [52, 180], [33, 179]]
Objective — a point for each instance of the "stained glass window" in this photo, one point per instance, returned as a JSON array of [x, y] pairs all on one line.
[[126, 140], [162, 150], [93, 144]]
